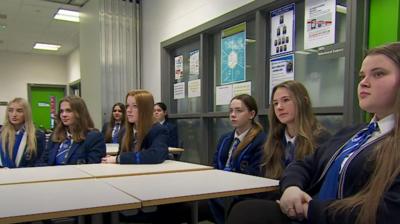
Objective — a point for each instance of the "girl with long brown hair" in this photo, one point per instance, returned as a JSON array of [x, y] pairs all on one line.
[[20, 143], [354, 177], [145, 141], [294, 131], [112, 129], [74, 140]]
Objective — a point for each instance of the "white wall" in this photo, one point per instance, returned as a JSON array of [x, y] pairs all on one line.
[[165, 19], [73, 63], [90, 59], [18, 69]]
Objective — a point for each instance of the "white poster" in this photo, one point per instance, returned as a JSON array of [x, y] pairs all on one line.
[[282, 30], [281, 69], [194, 88], [178, 66], [241, 88], [223, 94], [179, 90], [319, 23], [194, 62]]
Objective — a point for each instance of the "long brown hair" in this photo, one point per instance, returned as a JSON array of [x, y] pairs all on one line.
[[108, 134], [308, 128], [8, 130], [83, 123], [251, 105], [386, 157], [145, 103]]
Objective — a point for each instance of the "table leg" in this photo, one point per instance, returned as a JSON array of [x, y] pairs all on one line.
[[194, 212]]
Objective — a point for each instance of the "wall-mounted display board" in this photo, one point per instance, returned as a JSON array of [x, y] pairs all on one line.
[[255, 47]]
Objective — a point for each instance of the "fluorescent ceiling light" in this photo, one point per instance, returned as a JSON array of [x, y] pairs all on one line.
[[49, 47], [67, 15]]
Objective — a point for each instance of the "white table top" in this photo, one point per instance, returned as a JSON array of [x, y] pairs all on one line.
[[114, 170], [168, 188], [40, 174], [37, 201]]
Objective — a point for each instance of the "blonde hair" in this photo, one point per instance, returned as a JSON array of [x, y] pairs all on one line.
[[308, 129], [145, 104], [8, 130]]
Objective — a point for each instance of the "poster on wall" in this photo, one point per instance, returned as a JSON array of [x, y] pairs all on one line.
[[179, 90], [194, 62], [223, 94], [178, 67], [281, 69], [233, 54], [319, 23], [282, 30], [53, 112], [241, 88], [194, 88]]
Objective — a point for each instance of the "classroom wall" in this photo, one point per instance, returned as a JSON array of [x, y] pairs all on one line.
[[89, 33], [162, 20], [19, 69], [73, 66]]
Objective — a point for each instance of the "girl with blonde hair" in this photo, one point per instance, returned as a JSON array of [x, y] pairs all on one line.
[[20, 144]]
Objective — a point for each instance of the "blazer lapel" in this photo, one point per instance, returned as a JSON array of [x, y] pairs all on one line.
[[53, 153], [74, 147]]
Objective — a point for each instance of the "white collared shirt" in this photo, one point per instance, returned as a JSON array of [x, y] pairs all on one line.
[[290, 139], [240, 137]]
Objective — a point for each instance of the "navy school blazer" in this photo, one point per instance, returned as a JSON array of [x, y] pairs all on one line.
[[26, 160], [90, 150], [308, 175], [248, 162], [154, 148], [172, 134]]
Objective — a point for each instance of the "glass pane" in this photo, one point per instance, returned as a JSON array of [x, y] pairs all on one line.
[[323, 75], [250, 60], [332, 123], [193, 104], [189, 136]]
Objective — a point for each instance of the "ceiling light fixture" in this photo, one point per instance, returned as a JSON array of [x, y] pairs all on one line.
[[48, 47], [67, 15]]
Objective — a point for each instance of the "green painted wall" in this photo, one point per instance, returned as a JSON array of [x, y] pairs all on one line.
[[40, 103], [383, 22]]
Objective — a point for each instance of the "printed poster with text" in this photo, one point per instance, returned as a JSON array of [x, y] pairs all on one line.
[[281, 69], [233, 54], [319, 24], [194, 62], [282, 30], [178, 67]]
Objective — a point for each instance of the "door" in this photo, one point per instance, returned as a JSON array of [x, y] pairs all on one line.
[[44, 101]]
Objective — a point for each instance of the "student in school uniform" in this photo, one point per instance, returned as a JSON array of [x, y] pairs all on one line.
[[294, 131], [74, 140], [161, 115], [144, 141], [241, 149], [112, 129], [20, 143], [354, 177]]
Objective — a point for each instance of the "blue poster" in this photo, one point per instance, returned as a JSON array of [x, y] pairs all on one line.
[[233, 58]]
